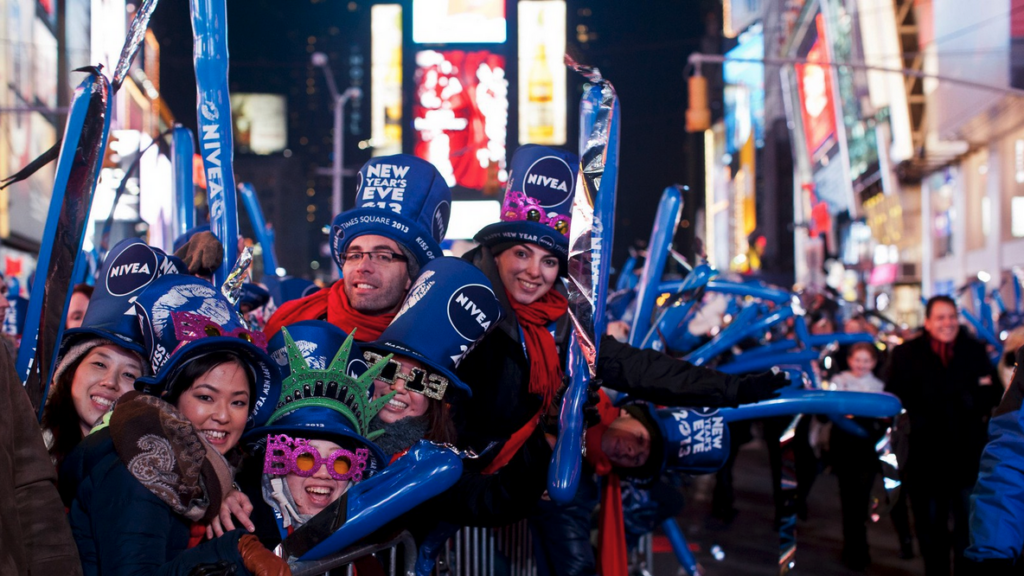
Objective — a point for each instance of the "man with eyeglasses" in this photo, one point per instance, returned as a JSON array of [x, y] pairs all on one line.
[[400, 218]]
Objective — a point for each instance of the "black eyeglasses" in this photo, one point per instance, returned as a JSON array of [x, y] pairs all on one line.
[[377, 257], [416, 379]]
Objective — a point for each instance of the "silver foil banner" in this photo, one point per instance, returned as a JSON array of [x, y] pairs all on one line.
[[587, 231], [232, 287], [136, 34]]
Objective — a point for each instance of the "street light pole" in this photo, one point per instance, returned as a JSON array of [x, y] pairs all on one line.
[[338, 167], [320, 60]]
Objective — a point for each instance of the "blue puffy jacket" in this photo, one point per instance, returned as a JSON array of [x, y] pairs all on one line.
[[122, 528], [997, 502]]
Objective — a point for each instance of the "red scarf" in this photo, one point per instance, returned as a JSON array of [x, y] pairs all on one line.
[[944, 350], [611, 525], [545, 373], [334, 304]]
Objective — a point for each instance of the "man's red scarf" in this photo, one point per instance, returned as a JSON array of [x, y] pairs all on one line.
[[333, 303], [611, 525], [944, 350]]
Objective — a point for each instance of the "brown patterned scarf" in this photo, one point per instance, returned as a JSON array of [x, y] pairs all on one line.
[[162, 450]]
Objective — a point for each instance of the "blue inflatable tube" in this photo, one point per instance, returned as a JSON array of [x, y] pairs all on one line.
[[424, 472], [183, 148], [213, 106], [665, 222], [794, 401]]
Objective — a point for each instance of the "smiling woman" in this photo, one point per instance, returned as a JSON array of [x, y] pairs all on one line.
[[158, 472], [214, 392]]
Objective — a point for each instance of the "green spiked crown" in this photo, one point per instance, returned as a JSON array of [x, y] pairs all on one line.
[[331, 388]]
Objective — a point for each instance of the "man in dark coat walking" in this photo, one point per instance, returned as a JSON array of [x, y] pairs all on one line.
[[948, 387]]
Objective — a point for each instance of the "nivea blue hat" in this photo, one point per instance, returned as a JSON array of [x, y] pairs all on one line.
[[538, 201], [130, 266], [688, 440], [401, 197], [182, 318], [321, 399], [319, 342], [254, 295], [447, 311], [14, 321]]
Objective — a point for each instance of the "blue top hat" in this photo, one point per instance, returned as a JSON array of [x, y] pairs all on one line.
[[287, 289], [14, 322], [130, 266], [320, 397], [254, 295], [182, 318], [689, 440], [447, 311], [400, 197], [538, 201]]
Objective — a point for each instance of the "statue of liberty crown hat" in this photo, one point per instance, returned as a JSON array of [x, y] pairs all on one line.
[[183, 318], [537, 207], [689, 440], [401, 197], [129, 267], [449, 308], [320, 397]]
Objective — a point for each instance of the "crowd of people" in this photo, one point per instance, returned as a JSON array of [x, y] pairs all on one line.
[[181, 438], [185, 433]]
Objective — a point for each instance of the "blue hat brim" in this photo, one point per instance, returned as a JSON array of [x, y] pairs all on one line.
[[255, 439], [265, 371], [76, 335], [525, 232], [391, 348], [349, 225]]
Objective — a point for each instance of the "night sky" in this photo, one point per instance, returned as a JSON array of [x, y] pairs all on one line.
[[641, 46]]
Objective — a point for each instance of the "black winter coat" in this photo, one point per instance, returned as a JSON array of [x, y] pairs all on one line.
[[948, 407], [123, 529], [498, 372]]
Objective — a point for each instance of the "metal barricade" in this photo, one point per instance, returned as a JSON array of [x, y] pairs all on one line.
[[407, 558], [505, 551], [641, 560]]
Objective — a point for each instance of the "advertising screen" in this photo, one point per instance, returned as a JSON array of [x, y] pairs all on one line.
[[386, 79], [259, 122], [460, 115], [458, 21], [814, 85], [541, 72], [744, 97]]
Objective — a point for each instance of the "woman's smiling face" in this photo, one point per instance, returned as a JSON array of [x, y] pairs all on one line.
[[527, 271], [405, 403]]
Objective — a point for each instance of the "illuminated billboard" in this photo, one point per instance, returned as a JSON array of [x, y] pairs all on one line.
[[814, 85], [458, 21], [386, 79], [541, 72], [259, 123], [744, 93], [460, 115]]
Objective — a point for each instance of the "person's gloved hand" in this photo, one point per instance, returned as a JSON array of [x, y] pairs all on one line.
[[763, 386], [591, 416], [260, 561], [203, 253]]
